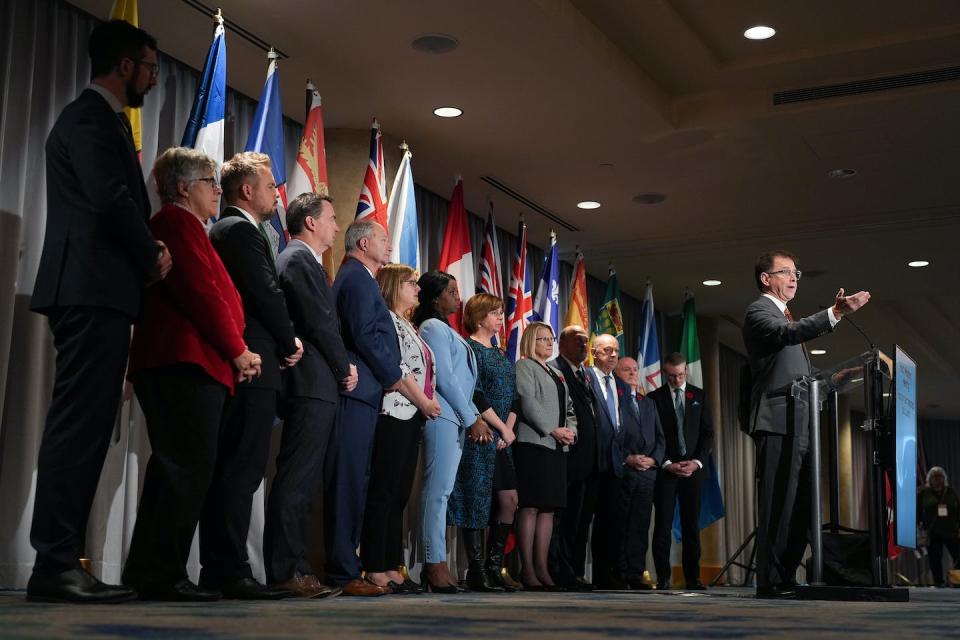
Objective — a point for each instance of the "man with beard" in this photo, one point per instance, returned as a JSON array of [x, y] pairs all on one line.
[[98, 255], [244, 446]]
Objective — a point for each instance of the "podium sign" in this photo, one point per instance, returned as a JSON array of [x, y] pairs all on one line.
[[905, 442]]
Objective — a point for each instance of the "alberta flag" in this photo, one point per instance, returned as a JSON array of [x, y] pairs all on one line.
[[204, 131], [266, 136], [711, 500], [402, 216], [519, 303], [546, 306], [648, 355]]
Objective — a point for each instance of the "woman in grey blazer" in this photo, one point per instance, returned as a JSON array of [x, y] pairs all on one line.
[[546, 427]]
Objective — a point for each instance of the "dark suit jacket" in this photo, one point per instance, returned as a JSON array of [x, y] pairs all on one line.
[[635, 435], [97, 248], [641, 432], [777, 358], [368, 332], [249, 262], [698, 423], [582, 459], [310, 302]]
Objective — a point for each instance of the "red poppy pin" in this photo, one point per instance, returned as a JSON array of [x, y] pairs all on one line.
[[689, 395], [560, 375], [620, 392]]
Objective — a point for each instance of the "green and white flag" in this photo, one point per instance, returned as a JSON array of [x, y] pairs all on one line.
[[690, 344], [609, 318]]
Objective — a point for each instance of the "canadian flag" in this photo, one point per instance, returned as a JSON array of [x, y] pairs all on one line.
[[456, 257]]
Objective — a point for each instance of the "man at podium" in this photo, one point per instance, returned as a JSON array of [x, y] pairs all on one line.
[[778, 415]]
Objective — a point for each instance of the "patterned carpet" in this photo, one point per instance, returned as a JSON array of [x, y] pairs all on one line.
[[720, 613]]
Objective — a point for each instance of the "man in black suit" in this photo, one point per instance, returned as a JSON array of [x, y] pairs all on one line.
[[371, 340], [244, 445], [311, 393], [98, 255], [569, 546], [778, 417], [688, 429]]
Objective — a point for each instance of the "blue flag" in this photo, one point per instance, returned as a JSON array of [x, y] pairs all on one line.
[[546, 306], [266, 136]]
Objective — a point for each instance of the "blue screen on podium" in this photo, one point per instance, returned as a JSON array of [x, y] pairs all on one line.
[[905, 387]]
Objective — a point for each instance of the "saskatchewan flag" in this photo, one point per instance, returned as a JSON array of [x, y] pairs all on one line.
[[609, 318]]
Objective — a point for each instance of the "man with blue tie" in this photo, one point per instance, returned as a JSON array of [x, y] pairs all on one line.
[[688, 428]]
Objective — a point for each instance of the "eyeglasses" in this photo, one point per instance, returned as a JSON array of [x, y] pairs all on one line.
[[153, 66], [212, 181], [786, 273], [609, 351], [546, 339], [412, 282]]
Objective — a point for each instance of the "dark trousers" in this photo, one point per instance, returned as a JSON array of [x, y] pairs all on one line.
[[636, 492], [573, 529], [396, 448], [183, 406], [92, 345], [242, 452], [348, 469], [307, 431], [608, 524], [669, 490], [936, 556], [783, 506]]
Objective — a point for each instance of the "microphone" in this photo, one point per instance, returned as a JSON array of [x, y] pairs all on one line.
[[855, 326]]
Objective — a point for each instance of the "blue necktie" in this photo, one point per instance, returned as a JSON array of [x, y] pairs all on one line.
[[680, 409], [611, 403]]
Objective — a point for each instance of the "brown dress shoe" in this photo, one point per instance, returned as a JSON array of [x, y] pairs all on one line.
[[324, 590], [361, 587], [303, 587]]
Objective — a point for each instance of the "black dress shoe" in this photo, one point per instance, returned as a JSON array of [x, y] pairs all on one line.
[[77, 586], [696, 586], [179, 591], [411, 586], [663, 585], [777, 591], [576, 585], [250, 589]]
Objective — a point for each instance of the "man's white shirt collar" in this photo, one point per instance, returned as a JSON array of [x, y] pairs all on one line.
[[316, 256], [246, 215], [777, 301], [106, 95], [673, 390]]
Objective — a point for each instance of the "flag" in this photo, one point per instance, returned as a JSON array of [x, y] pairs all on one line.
[[204, 130], [402, 215], [648, 355], [456, 256], [491, 273], [519, 300], [577, 309], [126, 10], [373, 194], [609, 318], [266, 136], [711, 498], [546, 306], [309, 173]]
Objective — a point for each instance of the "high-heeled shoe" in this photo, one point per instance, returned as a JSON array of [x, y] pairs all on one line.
[[433, 571]]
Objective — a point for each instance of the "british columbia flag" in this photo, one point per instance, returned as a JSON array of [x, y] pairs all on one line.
[[373, 195], [520, 298]]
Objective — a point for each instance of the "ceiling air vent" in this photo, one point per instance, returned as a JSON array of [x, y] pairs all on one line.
[[886, 83]]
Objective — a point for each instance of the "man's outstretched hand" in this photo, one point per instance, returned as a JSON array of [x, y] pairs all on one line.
[[848, 304]]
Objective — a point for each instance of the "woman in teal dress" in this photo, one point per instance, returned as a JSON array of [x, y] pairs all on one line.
[[487, 468]]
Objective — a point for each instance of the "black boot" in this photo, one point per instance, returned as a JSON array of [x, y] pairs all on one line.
[[496, 541], [476, 577]]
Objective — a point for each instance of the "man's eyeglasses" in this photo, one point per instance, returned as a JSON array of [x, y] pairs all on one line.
[[546, 339], [153, 66], [786, 273], [609, 351], [212, 181]]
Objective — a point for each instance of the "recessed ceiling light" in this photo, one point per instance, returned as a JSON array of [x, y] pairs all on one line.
[[759, 33], [448, 112], [436, 43], [712, 283], [841, 174], [588, 204], [918, 263], [818, 352]]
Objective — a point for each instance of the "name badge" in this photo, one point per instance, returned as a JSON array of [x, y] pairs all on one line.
[[941, 510]]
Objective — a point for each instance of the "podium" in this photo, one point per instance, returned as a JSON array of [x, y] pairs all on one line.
[[871, 373]]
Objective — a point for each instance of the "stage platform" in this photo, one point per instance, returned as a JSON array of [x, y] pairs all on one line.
[[722, 612]]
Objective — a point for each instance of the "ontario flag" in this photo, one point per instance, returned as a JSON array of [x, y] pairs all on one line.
[[373, 194], [309, 173], [519, 297], [456, 256], [266, 136], [491, 273]]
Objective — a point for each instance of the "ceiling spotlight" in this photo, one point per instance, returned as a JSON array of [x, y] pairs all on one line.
[[841, 174], [918, 263], [448, 112], [588, 204], [818, 352], [759, 33], [712, 283]]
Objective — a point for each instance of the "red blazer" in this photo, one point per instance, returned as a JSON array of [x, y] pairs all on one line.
[[193, 315]]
